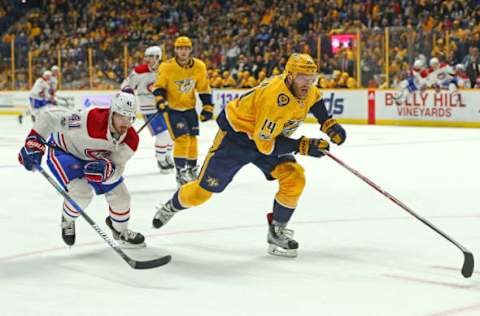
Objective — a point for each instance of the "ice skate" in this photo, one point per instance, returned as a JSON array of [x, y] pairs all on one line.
[[68, 231], [126, 238], [280, 240], [164, 213]]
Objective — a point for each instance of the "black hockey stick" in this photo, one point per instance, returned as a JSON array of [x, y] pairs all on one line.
[[147, 122], [468, 262], [149, 264]]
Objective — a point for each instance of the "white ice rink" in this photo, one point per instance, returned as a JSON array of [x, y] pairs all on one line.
[[360, 254]]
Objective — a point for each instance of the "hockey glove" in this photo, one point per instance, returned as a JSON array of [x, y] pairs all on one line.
[[33, 150], [207, 113], [162, 104], [313, 146], [98, 170], [334, 130]]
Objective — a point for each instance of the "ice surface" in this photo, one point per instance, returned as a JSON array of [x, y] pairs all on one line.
[[360, 254]]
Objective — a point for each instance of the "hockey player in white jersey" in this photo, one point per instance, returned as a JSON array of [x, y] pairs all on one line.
[[87, 153], [416, 81], [443, 77], [141, 80], [463, 82], [39, 97]]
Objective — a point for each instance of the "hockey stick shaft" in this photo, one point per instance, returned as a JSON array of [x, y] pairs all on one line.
[[467, 269], [112, 243], [148, 122]]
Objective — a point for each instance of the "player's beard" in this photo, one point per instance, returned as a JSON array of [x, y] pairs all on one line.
[[300, 91]]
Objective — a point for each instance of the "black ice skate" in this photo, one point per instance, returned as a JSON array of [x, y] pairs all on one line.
[[165, 167], [68, 231], [280, 240], [126, 238], [164, 213]]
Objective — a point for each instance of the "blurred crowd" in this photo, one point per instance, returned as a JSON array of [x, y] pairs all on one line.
[[242, 41]]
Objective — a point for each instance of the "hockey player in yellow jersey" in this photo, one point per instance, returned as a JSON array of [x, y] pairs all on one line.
[[177, 81], [256, 128]]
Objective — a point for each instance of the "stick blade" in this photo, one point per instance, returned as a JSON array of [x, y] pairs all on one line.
[[150, 264], [468, 264]]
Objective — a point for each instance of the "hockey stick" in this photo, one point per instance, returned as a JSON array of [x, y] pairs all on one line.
[[149, 264], [147, 122], [468, 263]]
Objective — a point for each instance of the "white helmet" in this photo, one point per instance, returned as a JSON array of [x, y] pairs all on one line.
[[54, 68], [47, 73], [434, 62], [124, 104], [156, 53], [418, 64], [460, 67]]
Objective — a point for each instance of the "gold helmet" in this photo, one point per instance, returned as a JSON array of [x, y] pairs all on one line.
[[301, 63], [183, 41]]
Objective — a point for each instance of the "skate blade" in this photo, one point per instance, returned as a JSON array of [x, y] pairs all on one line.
[[281, 252]]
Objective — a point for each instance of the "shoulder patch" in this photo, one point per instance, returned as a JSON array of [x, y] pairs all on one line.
[[283, 99], [97, 123], [140, 69]]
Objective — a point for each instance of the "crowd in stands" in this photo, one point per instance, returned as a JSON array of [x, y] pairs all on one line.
[[243, 41]]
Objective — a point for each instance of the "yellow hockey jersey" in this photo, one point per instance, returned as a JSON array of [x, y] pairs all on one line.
[[181, 82], [268, 111]]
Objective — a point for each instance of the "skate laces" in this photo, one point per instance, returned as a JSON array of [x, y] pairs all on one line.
[[128, 234], [284, 233]]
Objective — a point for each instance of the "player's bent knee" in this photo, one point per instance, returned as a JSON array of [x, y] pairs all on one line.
[[291, 178], [119, 197], [192, 194]]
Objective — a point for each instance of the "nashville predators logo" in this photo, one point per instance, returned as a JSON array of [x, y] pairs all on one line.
[[283, 99], [212, 182], [186, 85], [180, 125]]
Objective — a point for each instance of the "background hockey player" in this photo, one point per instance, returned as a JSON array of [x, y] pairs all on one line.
[[416, 81], [443, 77], [87, 152], [39, 97], [256, 128], [178, 80], [463, 82], [141, 81]]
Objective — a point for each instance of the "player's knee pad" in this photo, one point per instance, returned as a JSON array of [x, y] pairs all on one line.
[[192, 194], [81, 192], [119, 198], [193, 148], [291, 179], [180, 148]]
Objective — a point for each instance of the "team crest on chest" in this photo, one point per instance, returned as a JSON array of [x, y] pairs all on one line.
[[185, 85], [283, 99]]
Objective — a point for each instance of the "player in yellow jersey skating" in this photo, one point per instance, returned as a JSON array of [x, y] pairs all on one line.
[[256, 128], [177, 81]]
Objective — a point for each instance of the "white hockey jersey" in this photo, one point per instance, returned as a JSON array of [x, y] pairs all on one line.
[[141, 80], [442, 77], [86, 134], [40, 89]]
